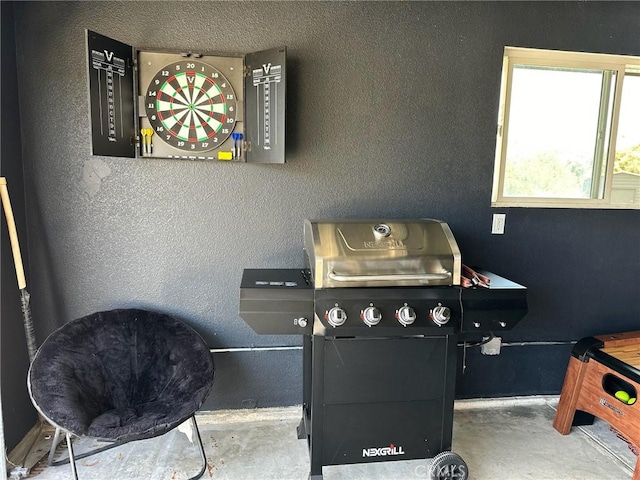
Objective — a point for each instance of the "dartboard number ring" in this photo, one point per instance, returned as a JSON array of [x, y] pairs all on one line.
[[191, 106]]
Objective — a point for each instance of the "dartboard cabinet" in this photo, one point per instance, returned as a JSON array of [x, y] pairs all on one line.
[[188, 106]]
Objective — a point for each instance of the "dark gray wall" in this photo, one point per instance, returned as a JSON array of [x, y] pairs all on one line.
[[18, 414], [392, 112]]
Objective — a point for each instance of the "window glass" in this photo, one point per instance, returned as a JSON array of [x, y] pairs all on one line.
[[552, 132], [626, 169], [565, 119]]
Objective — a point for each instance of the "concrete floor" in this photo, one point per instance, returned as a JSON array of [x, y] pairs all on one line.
[[511, 439]]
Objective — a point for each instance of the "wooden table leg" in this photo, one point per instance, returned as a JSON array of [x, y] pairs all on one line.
[[569, 395]]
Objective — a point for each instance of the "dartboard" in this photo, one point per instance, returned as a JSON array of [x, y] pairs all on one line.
[[191, 106]]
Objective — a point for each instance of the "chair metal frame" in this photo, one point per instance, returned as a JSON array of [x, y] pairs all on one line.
[[71, 459]]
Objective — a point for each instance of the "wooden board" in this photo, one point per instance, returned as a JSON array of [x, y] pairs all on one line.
[[619, 339], [629, 354]]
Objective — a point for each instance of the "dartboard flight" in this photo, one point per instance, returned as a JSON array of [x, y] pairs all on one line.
[[190, 106]]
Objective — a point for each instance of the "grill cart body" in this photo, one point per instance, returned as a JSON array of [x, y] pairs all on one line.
[[381, 312]]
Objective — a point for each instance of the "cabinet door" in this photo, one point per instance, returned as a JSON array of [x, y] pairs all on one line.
[[111, 97], [265, 105]]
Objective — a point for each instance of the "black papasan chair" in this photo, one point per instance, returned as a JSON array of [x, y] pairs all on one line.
[[119, 376]]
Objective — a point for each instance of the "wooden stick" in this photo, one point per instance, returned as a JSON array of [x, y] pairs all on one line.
[[13, 234]]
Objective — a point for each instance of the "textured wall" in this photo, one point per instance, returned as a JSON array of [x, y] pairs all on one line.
[[392, 112]]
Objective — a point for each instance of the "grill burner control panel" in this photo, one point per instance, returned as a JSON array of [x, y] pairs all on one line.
[[406, 311], [283, 301], [372, 315]]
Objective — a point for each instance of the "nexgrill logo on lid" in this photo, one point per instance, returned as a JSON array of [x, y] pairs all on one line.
[[388, 244], [382, 451]]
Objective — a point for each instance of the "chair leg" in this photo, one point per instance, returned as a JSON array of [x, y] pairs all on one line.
[[64, 461], [72, 457], [54, 445], [72, 460], [202, 454]]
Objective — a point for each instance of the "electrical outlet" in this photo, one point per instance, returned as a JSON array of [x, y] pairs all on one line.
[[497, 226]]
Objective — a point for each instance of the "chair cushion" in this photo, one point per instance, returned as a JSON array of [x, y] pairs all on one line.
[[121, 375]]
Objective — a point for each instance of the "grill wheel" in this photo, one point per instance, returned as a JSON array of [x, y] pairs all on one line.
[[448, 466]]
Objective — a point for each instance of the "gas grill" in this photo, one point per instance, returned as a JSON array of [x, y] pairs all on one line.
[[381, 310]]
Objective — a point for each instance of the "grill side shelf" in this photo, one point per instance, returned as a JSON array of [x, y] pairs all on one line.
[[277, 301], [497, 308]]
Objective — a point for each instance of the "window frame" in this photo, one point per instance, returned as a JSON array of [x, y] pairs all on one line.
[[555, 58]]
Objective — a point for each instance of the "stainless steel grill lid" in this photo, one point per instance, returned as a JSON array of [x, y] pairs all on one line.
[[381, 253]]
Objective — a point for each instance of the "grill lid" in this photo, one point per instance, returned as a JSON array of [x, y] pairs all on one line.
[[372, 253]]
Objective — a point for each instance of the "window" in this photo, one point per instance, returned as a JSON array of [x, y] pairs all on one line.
[[568, 130]]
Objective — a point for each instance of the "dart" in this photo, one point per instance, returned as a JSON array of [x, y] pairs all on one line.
[[237, 144], [143, 144], [149, 135], [234, 136]]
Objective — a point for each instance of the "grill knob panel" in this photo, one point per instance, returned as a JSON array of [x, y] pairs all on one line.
[[406, 315], [440, 315], [371, 316], [336, 316]]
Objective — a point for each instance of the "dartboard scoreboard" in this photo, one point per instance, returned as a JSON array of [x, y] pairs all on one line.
[[186, 106]]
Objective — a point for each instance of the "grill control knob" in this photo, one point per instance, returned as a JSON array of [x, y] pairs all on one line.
[[406, 315], [440, 315], [371, 316], [336, 316]]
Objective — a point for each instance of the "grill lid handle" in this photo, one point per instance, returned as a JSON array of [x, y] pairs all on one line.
[[389, 278]]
